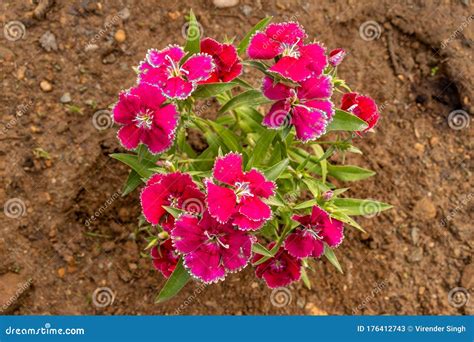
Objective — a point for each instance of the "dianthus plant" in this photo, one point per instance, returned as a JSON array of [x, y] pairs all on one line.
[[262, 192]]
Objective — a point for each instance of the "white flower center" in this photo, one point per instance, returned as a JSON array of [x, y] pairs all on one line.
[[242, 189], [144, 119], [291, 50]]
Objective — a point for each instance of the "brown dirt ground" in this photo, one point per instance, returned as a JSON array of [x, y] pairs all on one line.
[[406, 264]]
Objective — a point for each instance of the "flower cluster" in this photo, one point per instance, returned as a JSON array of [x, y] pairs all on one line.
[[215, 212]]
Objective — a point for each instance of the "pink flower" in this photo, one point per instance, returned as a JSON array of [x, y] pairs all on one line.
[[228, 64], [316, 230], [164, 258], [363, 107], [280, 270], [211, 249], [284, 42], [145, 118], [176, 190], [336, 56], [240, 196], [307, 107], [176, 78]]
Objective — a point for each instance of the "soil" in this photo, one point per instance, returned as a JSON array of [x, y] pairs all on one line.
[[56, 162]]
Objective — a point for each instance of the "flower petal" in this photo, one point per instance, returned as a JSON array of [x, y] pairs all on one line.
[[158, 58], [187, 234], [166, 118], [289, 33], [228, 169], [278, 115], [126, 108], [152, 199], [259, 185], [245, 224], [314, 57], [240, 248], [205, 263], [221, 202], [198, 67], [315, 88], [325, 105], [310, 123], [150, 95], [156, 139], [129, 136], [333, 232], [263, 47], [300, 243], [177, 88], [292, 68], [254, 208], [274, 90]]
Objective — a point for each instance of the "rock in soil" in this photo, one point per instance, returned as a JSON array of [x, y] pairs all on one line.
[[225, 3], [425, 209], [48, 41]]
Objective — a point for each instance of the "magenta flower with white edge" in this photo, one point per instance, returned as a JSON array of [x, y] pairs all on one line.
[[211, 249], [176, 190], [145, 118], [164, 258], [239, 198], [296, 61], [307, 107], [315, 230], [175, 77]]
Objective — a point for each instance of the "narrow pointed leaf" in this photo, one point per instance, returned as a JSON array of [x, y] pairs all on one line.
[[247, 98], [355, 206], [275, 171], [344, 121], [213, 89], [175, 283], [193, 34], [133, 181], [242, 47], [329, 254]]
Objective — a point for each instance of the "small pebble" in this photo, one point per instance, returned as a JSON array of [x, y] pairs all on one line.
[[120, 36], [46, 86], [425, 209], [420, 148], [66, 98], [247, 10], [225, 3], [174, 15], [48, 42], [61, 272]]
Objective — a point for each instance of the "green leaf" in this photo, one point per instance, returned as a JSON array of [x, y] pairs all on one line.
[[329, 254], [259, 249], [133, 181], [275, 171], [141, 167], [228, 137], [175, 283], [344, 121], [213, 89], [306, 204], [261, 148], [355, 206], [242, 47], [346, 219], [349, 172], [173, 211], [322, 156], [247, 98], [305, 278], [193, 34]]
